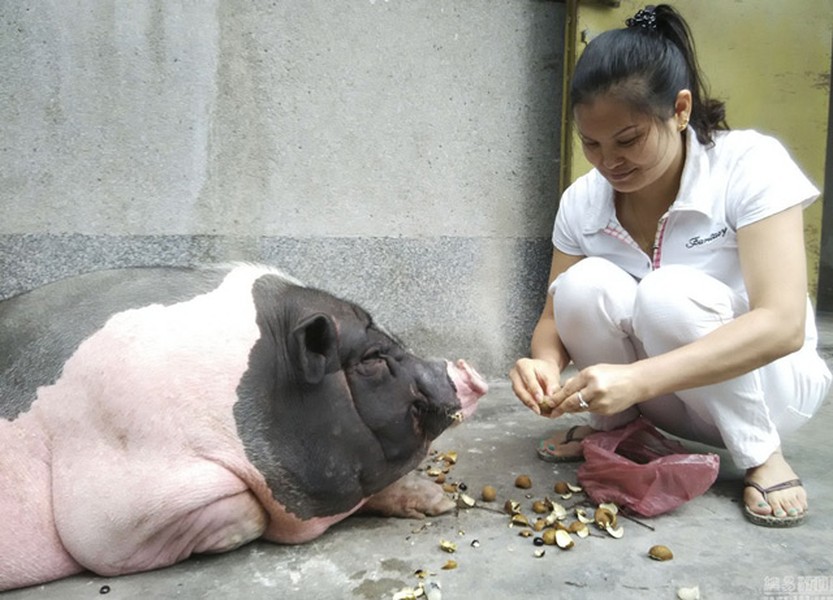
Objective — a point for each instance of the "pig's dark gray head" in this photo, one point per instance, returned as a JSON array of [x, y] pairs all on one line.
[[332, 409]]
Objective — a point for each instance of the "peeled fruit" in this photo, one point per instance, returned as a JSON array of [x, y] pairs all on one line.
[[523, 481], [660, 553]]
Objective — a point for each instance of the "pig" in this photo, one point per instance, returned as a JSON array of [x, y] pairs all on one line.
[[148, 414]]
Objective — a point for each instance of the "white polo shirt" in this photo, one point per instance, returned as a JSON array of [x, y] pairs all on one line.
[[740, 179]]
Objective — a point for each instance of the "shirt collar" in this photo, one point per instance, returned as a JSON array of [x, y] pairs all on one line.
[[601, 209], [693, 194]]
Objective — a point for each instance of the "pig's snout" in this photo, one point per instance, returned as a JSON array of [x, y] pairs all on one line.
[[469, 384]]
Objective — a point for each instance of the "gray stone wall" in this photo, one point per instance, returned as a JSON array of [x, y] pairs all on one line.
[[403, 154]]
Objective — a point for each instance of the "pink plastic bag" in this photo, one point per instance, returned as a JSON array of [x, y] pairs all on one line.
[[642, 471]]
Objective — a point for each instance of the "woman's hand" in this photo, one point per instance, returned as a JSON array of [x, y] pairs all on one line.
[[534, 381], [601, 389]]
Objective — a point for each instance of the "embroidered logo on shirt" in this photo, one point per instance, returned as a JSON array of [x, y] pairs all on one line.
[[699, 241]]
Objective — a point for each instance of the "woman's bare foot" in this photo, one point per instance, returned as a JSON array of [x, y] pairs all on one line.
[[564, 446], [783, 501]]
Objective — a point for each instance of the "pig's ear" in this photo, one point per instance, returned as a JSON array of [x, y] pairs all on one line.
[[315, 347]]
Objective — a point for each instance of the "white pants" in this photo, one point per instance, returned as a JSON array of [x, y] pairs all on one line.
[[604, 315]]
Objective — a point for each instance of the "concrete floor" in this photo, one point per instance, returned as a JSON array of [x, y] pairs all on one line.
[[372, 558]]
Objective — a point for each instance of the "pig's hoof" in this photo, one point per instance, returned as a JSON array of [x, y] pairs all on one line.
[[413, 496]]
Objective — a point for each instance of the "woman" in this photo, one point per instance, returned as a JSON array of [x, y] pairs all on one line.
[[678, 279]]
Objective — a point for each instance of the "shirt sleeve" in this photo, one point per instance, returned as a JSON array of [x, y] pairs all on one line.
[[765, 180], [565, 236]]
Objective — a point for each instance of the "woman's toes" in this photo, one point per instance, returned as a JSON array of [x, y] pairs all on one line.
[[755, 501], [774, 489], [794, 506]]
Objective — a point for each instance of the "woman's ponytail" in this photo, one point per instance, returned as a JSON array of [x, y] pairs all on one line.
[[707, 114]]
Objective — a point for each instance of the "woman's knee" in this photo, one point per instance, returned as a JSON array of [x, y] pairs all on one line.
[[589, 285], [676, 305]]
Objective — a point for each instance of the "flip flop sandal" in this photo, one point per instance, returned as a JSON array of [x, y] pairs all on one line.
[[545, 450], [770, 520]]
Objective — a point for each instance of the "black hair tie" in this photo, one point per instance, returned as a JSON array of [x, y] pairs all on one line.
[[645, 18]]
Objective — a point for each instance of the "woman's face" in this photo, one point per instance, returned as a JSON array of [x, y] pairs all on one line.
[[630, 150]]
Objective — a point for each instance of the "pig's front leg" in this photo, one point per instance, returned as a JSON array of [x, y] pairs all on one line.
[[413, 496]]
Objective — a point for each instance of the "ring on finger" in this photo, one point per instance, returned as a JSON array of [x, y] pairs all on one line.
[[582, 403]]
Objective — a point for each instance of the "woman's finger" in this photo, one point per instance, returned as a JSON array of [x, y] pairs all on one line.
[[520, 387]]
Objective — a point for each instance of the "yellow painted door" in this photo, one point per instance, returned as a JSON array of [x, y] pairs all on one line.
[[769, 60]]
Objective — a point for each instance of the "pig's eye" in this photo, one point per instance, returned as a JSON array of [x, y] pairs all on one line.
[[373, 362], [373, 355]]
